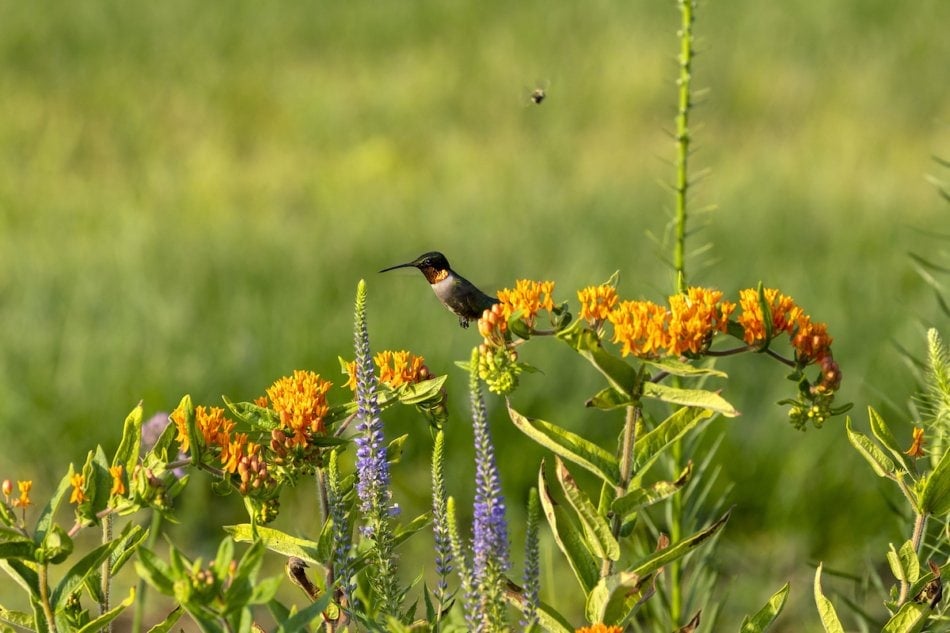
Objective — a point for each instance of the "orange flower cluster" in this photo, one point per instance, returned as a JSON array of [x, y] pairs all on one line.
[[78, 482], [599, 628], [597, 302], [917, 444], [301, 404], [646, 329], [395, 369], [493, 326], [216, 431], [640, 328], [530, 297], [23, 501], [401, 368], [810, 340], [694, 317], [118, 482]]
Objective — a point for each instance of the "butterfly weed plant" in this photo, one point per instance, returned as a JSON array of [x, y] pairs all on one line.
[[630, 564]]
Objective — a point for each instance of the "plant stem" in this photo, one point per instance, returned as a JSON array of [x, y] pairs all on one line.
[[684, 103], [920, 522], [44, 597], [626, 474], [106, 583]]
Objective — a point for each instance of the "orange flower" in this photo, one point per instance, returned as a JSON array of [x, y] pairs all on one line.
[[694, 317], [597, 302], [640, 327], [785, 314], [181, 423], [811, 340], [599, 628], [401, 368], [214, 427], [232, 452], [262, 401], [78, 482], [118, 483], [350, 371], [493, 325], [529, 297], [301, 404], [917, 444], [24, 500]]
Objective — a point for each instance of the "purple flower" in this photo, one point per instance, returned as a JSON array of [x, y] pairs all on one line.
[[372, 467], [490, 558]]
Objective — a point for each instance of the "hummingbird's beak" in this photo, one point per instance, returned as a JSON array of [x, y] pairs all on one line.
[[409, 265]]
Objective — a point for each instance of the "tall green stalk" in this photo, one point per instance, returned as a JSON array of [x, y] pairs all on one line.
[[684, 103], [681, 190]]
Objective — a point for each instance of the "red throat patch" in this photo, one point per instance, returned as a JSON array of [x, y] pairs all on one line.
[[434, 275]]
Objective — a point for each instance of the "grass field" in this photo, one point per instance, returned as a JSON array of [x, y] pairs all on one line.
[[189, 193]]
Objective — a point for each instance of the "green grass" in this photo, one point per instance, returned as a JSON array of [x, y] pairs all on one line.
[[190, 192]]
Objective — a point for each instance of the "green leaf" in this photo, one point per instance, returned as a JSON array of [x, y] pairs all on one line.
[[99, 492], [676, 367], [155, 572], [17, 618], [277, 541], [417, 393], [224, 556], [880, 463], [596, 530], [194, 438], [911, 618], [935, 497], [568, 540], [127, 455], [56, 547], [78, 573], [767, 322], [15, 545], [549, 619], [650, 446], [45, 519], [765, 616], [301, 620], [883, 434], [569, 446], [689, 398], [640, 498], [904, 563], [98, 624], [608, 399], [170, 620], [617, 597], [129, 541], [585, 342], [265, 590], [826, 610], [676, 551], [24, 576]]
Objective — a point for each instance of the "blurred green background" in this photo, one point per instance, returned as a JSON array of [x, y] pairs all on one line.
[[189, 193]]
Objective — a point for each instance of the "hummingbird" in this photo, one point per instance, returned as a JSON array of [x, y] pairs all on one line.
[[455, 292]]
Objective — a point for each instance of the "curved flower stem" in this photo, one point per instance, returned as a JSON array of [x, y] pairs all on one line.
[[106, 583], [345, 423], [44, 597], [751, 348], [626, 474], [920, 522]]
